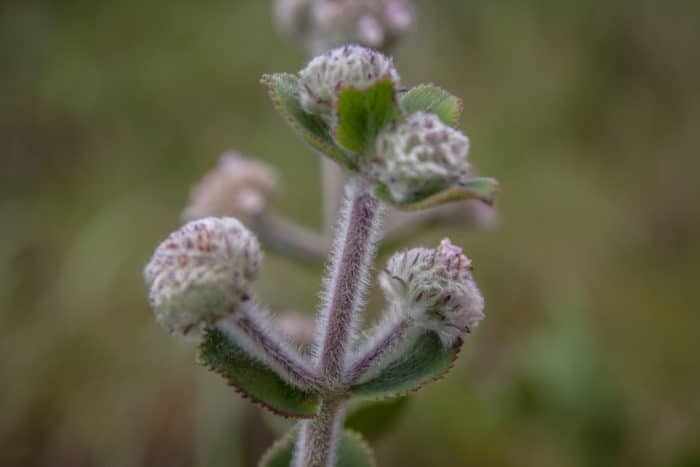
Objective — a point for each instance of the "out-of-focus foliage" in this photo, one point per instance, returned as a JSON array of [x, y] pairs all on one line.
[[586, 112], [376, 419]]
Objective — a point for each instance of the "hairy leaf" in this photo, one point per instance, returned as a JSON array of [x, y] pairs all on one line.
[[352, 452], [362, 114], [253, 379], [431, 98], [481, 188], [283, 90], [426, 361]]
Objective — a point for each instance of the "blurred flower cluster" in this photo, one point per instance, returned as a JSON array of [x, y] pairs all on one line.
[[237, 187], [322, 24]]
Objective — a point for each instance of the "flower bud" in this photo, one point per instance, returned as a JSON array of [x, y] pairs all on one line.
[[435, 287], [201, 273], [419, 157], [238, 187], [348, 66]]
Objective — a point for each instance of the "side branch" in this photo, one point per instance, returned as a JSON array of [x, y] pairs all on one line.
[[251, 328], [388, 339], [287, 238]]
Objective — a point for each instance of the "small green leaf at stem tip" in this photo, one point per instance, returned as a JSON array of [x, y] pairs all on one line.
[[482, 188], [352, 452], [362, 114], [283, 90], [431, 98], [425, 362], [252, 379]]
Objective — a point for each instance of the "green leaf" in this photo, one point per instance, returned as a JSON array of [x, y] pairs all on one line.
[[430, 98], [362, 114], [374, 419], [281, 452], [253, 379], [482, 188], [283, 90], [352, 452], [426, 361]]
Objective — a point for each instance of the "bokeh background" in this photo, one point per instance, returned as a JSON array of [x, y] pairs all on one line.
[[587, 112]]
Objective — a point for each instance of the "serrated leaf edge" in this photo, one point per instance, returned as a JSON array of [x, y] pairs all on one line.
[[288, 436], [460, 102], [448, 195], [363, 442], [420, 385], [254, 400], [335, 153]]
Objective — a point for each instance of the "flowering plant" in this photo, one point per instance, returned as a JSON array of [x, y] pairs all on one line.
[[399, 148]]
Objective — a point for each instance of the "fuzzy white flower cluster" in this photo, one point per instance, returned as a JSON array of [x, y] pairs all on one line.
[[237, 187], [420, 156], [436, 289], [201, 273], [348, 66], [322, 24]]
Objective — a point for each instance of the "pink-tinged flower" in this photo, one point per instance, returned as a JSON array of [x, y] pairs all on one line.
[[419, 157], [237, 187], [201, 273], [436, 289], [350, 66]]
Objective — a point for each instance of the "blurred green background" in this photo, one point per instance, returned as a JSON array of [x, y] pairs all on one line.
[[587, 112]]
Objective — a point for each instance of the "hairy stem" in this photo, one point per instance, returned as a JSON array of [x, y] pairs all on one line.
[[317, 445], [351, 258], [252, 328]]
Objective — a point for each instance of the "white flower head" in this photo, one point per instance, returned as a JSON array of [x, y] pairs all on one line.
[[420, 156], [201, 273], [436, 289], [350, 66], [237, 187]]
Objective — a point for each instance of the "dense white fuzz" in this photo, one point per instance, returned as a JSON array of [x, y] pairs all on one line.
[[253, 329], [237, 187], [348, 66], [322, 24], [346, 280], [427, 289], [420, 156], [201, 273], [200, 277], [436, 289]]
